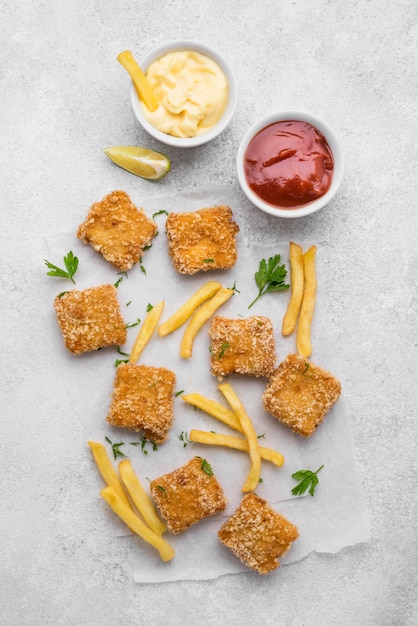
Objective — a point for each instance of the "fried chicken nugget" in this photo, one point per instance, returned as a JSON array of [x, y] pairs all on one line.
[[187, 495], [90, 319], [299, 394], [257, 534], [202, 240], [117, 229]]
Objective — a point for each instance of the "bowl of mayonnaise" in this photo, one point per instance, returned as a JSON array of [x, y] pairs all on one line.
[[196, 92]]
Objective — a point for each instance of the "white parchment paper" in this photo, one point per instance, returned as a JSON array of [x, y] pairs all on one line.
[[334, 518]]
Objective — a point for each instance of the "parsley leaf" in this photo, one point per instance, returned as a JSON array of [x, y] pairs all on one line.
[[224, 348], [270, 277], [183, 436], [143, 442], [71, 264], [308, 480], [116, 448], [205, 466]]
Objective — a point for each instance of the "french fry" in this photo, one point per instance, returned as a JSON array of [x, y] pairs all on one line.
[[135, 524], [303, 331], [200, 318], [140, 497], [106, 469], [296, 286], [146, 331], [214, 409], [142, 86], [189, 307], [253, 477], [216, 439]]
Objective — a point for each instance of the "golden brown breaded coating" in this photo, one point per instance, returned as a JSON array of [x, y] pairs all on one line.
[[90, 319], [117, 229], [202, 240], [257, 534], [299, 394], [188, 495], [243, 346], [143, 400]]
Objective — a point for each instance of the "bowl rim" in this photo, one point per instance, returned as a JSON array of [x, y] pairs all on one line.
[[333, 142], [187, 142]]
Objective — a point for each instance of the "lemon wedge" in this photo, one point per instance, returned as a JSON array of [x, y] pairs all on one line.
[[140, 161]]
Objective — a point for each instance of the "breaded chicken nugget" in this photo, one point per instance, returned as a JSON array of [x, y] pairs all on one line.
[[90, 319], [299, 394], [243, 346], [257, 534], [117, 229], [188, 495], [202, 240], [143, 400]]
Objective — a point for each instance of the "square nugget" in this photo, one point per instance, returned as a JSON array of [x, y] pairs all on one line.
[[257, 534], [202, 240], [299, 394], [188, 495], [143, 400], [90, 319], [243, 346], [117, 229]]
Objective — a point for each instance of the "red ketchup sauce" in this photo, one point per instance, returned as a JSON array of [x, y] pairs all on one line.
[[289, 164]]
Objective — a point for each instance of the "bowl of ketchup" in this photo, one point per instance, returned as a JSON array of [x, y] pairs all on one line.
[[290, 164]]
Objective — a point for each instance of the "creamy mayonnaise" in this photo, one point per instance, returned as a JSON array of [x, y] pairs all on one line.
[[192, 92]]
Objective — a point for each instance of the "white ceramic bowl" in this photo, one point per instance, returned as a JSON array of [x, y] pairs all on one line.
[[187, 142], [314, 205]]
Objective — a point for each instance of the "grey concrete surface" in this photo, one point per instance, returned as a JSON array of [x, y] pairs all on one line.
[[65, 98]]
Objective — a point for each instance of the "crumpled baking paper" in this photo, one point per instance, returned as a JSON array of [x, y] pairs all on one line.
[[334, 518]]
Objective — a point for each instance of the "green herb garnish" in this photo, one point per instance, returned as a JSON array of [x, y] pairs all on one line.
[[184, 438], [143, 442], [119, 361], [270, 277], [234, 287], [308, 480], [71, 264], [224, 348], [138, 321], [206, 467], [154, 215], [116, 448]]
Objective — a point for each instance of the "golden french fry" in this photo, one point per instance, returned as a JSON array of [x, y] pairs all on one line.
[[135, 524], [296, 286], [140, 497], [146, 331], [188, 308], [303, 332], [216, 439], [253, 477], [214, 409], [142, 86], [107, 470], [200, 318]]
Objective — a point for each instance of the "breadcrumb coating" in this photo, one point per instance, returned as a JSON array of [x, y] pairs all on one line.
[[117, 229], [257, 534], [202, 240], [143, 400], [243, 346], [90, 319], [187, 495], [299, 394]]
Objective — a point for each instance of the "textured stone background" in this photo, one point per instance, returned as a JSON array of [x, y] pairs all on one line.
[[64, 98]]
